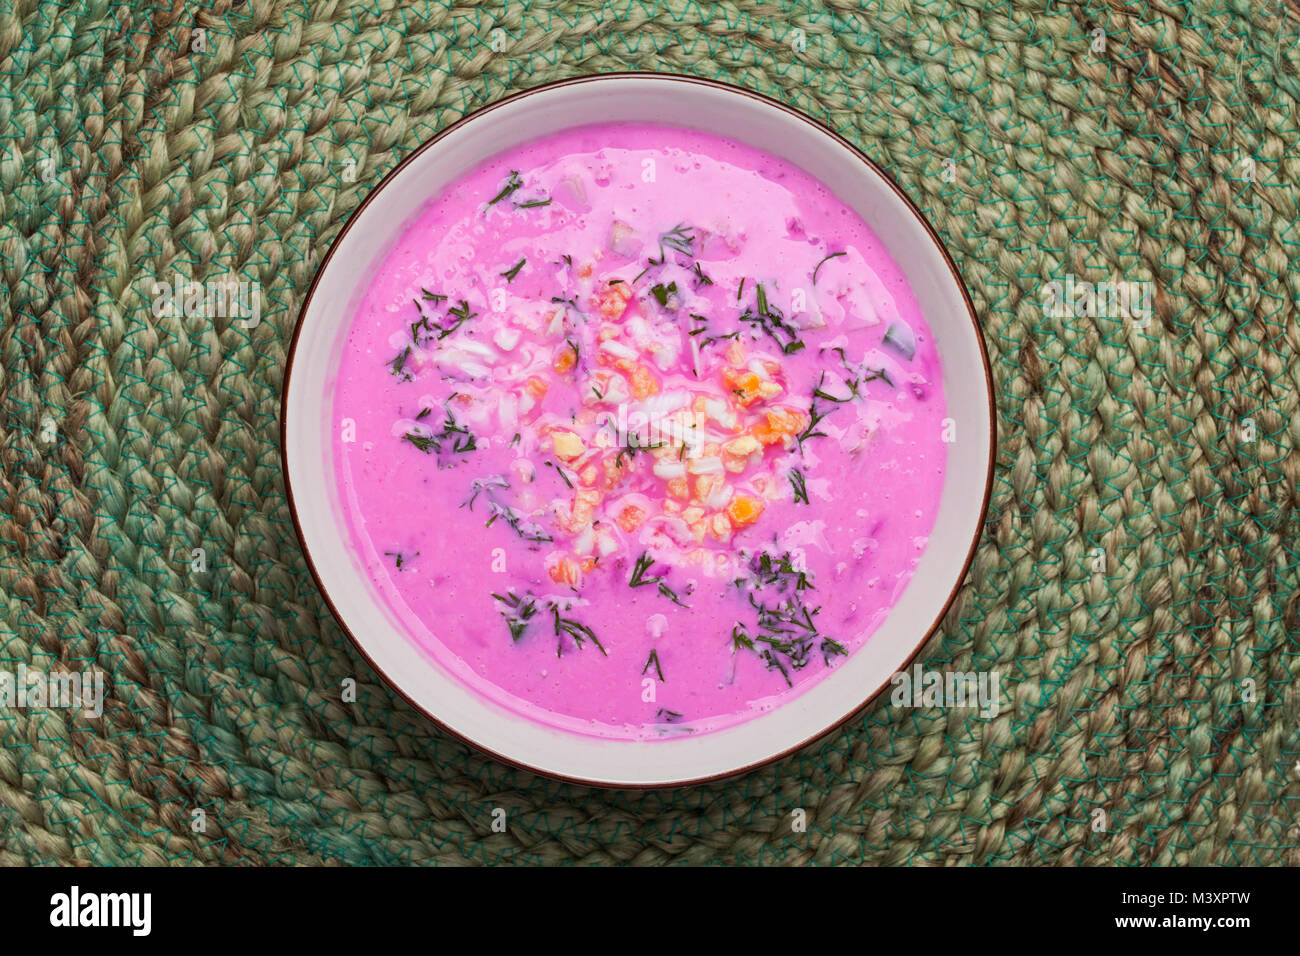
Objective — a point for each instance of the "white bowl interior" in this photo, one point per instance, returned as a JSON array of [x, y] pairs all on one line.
[[309, 427]]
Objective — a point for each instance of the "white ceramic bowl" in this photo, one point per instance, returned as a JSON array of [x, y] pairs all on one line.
[[308, 423]]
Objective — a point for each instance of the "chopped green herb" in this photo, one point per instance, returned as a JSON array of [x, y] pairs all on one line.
[[663, 292], [831, 648], [823, 261], [797, 482], [461, 314], [671, 595], [398, 365], [574, 629], [484, 485], [532, 204], [559, 471], [653, 659], [643, 564], [770, 319], [700, 277], [512, 183], [518, 612], [422, 442], [717, 338], [513, 270], [820, 392], [678, 238], [638, 578], [787, 630], [739, 639], [433, 297], [815, 416], [632, 447], [527, 530], [460, 438]]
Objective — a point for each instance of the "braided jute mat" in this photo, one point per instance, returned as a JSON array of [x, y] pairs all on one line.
[[1136, 585]]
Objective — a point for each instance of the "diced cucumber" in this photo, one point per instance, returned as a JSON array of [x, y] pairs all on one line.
[[901, 339]]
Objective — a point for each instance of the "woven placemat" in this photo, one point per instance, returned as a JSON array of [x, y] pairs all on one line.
[[1136, 587]]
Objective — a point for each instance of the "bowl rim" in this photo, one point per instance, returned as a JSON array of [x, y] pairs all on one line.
[[793, 113]]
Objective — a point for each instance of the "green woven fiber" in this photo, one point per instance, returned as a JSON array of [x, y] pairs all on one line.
[[130, 150]]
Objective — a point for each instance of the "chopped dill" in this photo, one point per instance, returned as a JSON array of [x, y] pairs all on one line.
[[678, 238], [663, 292], [739, 639], [512, 183], [513, 270], [422, 442], [518, 612], [823, 262], [787, 631], [643, 564], [461, 314], [484, 485], [797, 483], [577, 631], [671, 595], [831, 648], [452, 438], [526, 530], [771, 320], [398, 365], [653, 659], [559, 471], [638, 578]]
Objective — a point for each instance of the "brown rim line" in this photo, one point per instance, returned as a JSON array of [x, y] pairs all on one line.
[[970, 312]]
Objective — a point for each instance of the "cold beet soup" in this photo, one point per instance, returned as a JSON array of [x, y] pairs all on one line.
[[641, 431]]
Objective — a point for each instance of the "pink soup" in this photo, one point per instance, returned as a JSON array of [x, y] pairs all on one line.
[[641, 431]]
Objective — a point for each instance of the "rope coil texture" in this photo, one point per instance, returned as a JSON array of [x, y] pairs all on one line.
[[1136, 586]]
